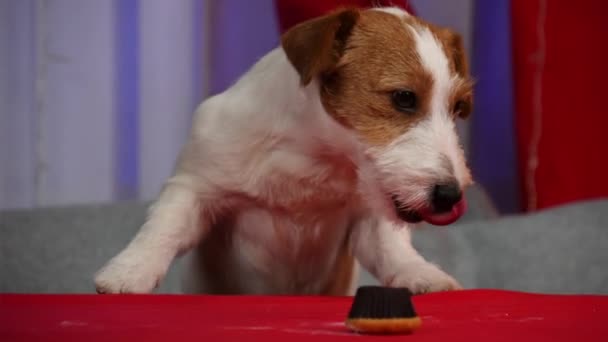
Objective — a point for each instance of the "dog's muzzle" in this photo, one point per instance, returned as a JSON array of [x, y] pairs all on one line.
[[445, 206]]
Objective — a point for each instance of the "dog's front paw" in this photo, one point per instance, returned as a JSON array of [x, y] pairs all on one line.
[[424, 278], [129, 274]]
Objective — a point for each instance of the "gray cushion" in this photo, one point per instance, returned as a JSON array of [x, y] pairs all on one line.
[[558, 250], [57, 250]]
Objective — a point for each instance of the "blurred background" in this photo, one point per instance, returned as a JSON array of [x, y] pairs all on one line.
[[96, 96]]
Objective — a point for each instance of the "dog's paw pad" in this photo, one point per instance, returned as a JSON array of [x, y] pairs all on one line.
[[425, 279], [127, 275]]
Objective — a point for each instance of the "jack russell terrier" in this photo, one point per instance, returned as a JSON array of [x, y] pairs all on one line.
[[320, 158]]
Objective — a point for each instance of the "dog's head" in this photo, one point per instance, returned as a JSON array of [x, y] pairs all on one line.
[[400, 84]]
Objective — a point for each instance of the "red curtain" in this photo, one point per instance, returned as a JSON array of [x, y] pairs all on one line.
[[560, 63]]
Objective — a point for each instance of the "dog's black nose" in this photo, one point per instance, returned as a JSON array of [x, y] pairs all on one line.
[[445, 196]]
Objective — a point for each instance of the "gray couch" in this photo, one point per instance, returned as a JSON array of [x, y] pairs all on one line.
[[558, 250]]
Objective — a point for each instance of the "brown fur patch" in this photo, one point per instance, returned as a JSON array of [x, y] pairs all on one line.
[[380, 57], [343, 273], [211, 258], [454, 49], [361, 57]]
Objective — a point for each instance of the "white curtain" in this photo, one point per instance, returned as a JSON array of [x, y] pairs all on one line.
[[96, 96]]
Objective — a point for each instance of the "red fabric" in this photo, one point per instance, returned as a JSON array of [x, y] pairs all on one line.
[[291, 12], [471, 315], [573, 148]]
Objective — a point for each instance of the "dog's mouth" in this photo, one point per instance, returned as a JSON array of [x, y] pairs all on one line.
[[429, 215]]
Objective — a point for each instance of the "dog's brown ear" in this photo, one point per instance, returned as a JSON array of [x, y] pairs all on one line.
[[315, 46], [454, 46], [461, 66], [459, 57]]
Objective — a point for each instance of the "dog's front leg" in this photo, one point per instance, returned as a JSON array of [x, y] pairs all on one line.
[[385, 250], [172, 227]]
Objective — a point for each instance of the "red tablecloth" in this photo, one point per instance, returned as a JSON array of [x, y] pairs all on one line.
[[471, 315]]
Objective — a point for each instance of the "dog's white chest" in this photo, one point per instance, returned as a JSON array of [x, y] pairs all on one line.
[[289, 252]]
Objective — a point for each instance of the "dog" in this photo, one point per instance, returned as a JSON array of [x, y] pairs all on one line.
[[318, 160]]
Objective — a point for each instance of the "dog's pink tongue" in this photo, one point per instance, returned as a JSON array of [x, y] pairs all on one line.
[[444, 219]]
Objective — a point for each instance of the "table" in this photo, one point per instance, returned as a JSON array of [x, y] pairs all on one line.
[[468, 315]]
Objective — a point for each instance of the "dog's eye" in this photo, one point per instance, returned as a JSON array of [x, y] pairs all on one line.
[[461, 109], [404, 100]]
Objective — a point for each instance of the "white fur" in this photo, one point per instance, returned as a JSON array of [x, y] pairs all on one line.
[[396, 11], [253, 154], [443, 128]]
